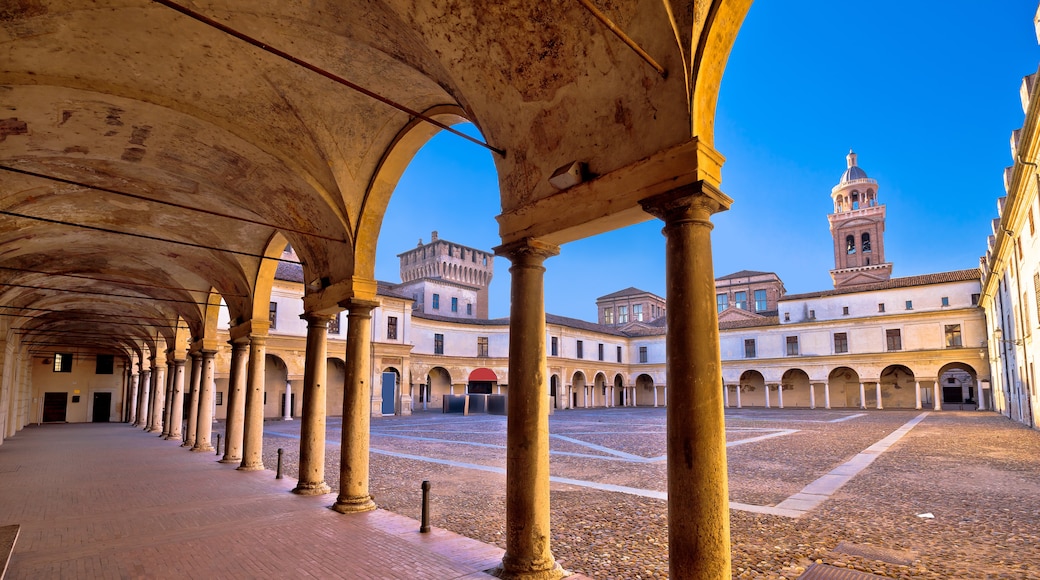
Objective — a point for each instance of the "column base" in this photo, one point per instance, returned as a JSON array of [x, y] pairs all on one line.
[[174, 437], [311, 488], [202, 448], [188, 444], [230, 460], [555, 573], [354, 505], [251, 467]]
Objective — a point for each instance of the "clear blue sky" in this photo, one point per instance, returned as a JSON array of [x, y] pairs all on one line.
[[925, 92]]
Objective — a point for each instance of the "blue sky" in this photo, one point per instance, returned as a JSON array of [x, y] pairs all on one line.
[[925, 92]]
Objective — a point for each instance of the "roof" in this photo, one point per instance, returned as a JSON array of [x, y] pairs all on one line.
[[744, 274], [853, 173], [390, 289], [750, 323], [630, 291], [289, 272], [905, 282]]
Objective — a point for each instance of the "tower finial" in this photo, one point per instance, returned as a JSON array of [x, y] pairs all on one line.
[[851, 158]]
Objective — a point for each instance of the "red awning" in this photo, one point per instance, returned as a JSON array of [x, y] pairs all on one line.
[[483, 375]]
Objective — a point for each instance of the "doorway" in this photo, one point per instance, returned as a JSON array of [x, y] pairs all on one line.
[[102, 407], [389, 393], [54, 407]]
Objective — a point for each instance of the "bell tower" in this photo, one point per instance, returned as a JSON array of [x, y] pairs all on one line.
[[858, 228]]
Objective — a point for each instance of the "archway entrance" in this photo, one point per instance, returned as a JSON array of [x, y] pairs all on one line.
[[795, 385], [481, 382], [958, 387], [843, 384], [752, 389], [391, 379], [897, 388]]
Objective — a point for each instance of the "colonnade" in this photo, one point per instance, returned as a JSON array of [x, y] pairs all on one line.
[[878, 404]]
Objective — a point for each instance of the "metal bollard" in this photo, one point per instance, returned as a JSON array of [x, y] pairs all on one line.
[[218, 443], [424, 526], [278, 474]]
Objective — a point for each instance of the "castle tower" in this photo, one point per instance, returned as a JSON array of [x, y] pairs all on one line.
[[445, 261], [858, 228]]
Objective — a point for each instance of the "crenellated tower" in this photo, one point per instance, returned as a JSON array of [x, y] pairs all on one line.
[[451, 262], [858, 228]]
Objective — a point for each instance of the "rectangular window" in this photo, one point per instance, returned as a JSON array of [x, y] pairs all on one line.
[[581, 349], [812, 314], [63, 362], [844, 310], [740, 300], [105, 364], [893, 340], [841, 342], [945, 301], [391, 328], [637, 312], [608, 316], [469, 310], [436, 301], [722, 301], [953, 335], [219, 396], [619, 354], [749, 348], [482, 346], [454, 304], [622, 314], [760, 300], [554, 346], [334, 324], [272, 315], [881, 307], [975, 299], [438, 344], [909, 304], [601, 351], [792, 346], [642, 354]]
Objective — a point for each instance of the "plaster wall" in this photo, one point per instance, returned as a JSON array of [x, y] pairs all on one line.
[[82, 382]]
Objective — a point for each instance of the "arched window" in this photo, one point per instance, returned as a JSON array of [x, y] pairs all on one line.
[[855, 200], [850, 244], [866, 242]]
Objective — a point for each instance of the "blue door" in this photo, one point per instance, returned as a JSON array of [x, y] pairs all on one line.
[[389, 393]]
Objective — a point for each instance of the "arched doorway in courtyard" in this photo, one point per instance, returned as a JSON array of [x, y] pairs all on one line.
[[795, 385], [753, 389], [843, 384], [897, 389], [958, 387]]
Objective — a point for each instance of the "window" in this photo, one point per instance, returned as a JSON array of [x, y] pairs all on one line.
[[482, 346], [893, 339], [812, 314], [619, 354], [865, 242], [909, 304], [723, 301], [945, 301], [272, 315], [219, 396], [1018, 244], [438, 344], [760, 300], [105, 364], [334, 324], [749, 348], [581, 349], [881, 307], [642, 354], [841, 342], [953, 335], [554, 346], [454, 304], [1032, 225], [850, 244], [740, 300], [622, 314], [792, 346], [787, 317], [436, 301], [391, 328], [601, 351], [62, 362], [637, 312], [975, 299], [844, 310], [469, 310], [608, 316]]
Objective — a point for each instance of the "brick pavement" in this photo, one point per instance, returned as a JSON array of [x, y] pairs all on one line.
[[110, 501]]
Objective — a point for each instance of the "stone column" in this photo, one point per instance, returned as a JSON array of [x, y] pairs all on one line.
[[132, 399], [142, 404], [315, 390], [253, 428], [528, 552], [980, 395], [177, 401], [862, 396], [812, 395], [877, 389], [155, 397], [168, 402], [917, 395], [767, 395], [780, 395], [739, 404], [193, 400], [357, 411], [827, 395], [236, 403], [938, 400], [204, 428], [725, 395], [655, 396], [287, 402], [698, 485]]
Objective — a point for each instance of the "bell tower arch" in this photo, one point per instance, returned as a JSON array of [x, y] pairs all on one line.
[[858, 229]]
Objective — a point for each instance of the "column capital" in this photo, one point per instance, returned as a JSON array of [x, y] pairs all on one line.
[[258, 339], [359, 306], [178, 362], [527, 250], [317, 319], [698, 200], [241, 342]]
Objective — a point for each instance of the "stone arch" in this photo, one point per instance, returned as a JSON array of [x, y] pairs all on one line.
[[335, 375], [647, 393], [752, 389], [796, 384], [843, 383], [579, 390], [958, 387], [438, 384], [621, 395], [897, 388], [600, 391], [276, 375], [555, 392]]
